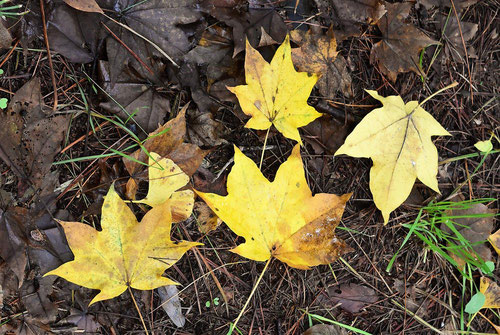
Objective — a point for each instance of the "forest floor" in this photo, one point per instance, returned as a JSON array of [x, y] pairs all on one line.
[[71, 150]]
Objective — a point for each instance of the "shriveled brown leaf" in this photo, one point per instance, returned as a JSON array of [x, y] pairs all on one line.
[[352, 297], [453, 35], [206, 218], [26, 148], [170, 144], [73, 33], [398, 51], [475, 229], [141, 102], [35, 297], [84, 322], [85, 5]]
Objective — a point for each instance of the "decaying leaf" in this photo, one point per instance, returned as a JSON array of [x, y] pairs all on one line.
[[134, 100], [325, 330], [165, 180], [161, 22], [495, 241], [276, 94], [73, 33], [13, 248], [83, 321], [168, 141], [203, 130], [318, 54], [459, 4], [352, 297], [85, 5], [349, 14], [397, 137], [491, 292], [5, 38], [247, 25], [453, 35], [28, 150], [35, 297], [325, 134], [398, 51], [280, 219], [125, 253], [475, 225]]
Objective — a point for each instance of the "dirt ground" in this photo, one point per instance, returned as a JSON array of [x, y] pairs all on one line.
[[422, 294]]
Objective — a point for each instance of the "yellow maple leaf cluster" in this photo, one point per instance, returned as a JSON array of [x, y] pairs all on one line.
[[280, 219]]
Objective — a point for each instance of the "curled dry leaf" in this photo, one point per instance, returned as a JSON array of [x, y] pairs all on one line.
[[397, 137], [453, 35], [276, 94], [398, 51], [318, 54], [168, 141], [165, 180], [171, 304], [280, 219], [125, 253]]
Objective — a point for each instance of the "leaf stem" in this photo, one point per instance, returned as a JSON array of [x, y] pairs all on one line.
[[233, 326], [264, 148], [437, 92], [138, 310]]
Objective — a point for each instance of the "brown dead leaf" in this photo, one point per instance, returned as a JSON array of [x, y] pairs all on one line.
[[26, 148], [171, 304], [459, 4], [247, 24], [325, 134], [326, 330], [5, 38], [453, 35], [351, 297], [203, 130], [170, 144], [349, 14], [475, 229], [318, 54], [398, 51], [35, 297], [141, 102], [207, 220], [13, 247], [73, 33], [85, 5]]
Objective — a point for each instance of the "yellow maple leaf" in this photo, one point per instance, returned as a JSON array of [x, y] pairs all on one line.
[[165, 178], [397, 137], [275, 93], [125, 253], [279, 219], [495, 241], [491, 292]]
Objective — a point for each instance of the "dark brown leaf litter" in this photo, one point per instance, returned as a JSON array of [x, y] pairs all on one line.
[[398, 51], [24, 143], [350, 297]]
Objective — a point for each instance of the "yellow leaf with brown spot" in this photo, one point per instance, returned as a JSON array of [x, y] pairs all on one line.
[[125, 253], [495, 241], [491, 292], [276, 94], [280, 219], [165, 179], [397, 137]]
